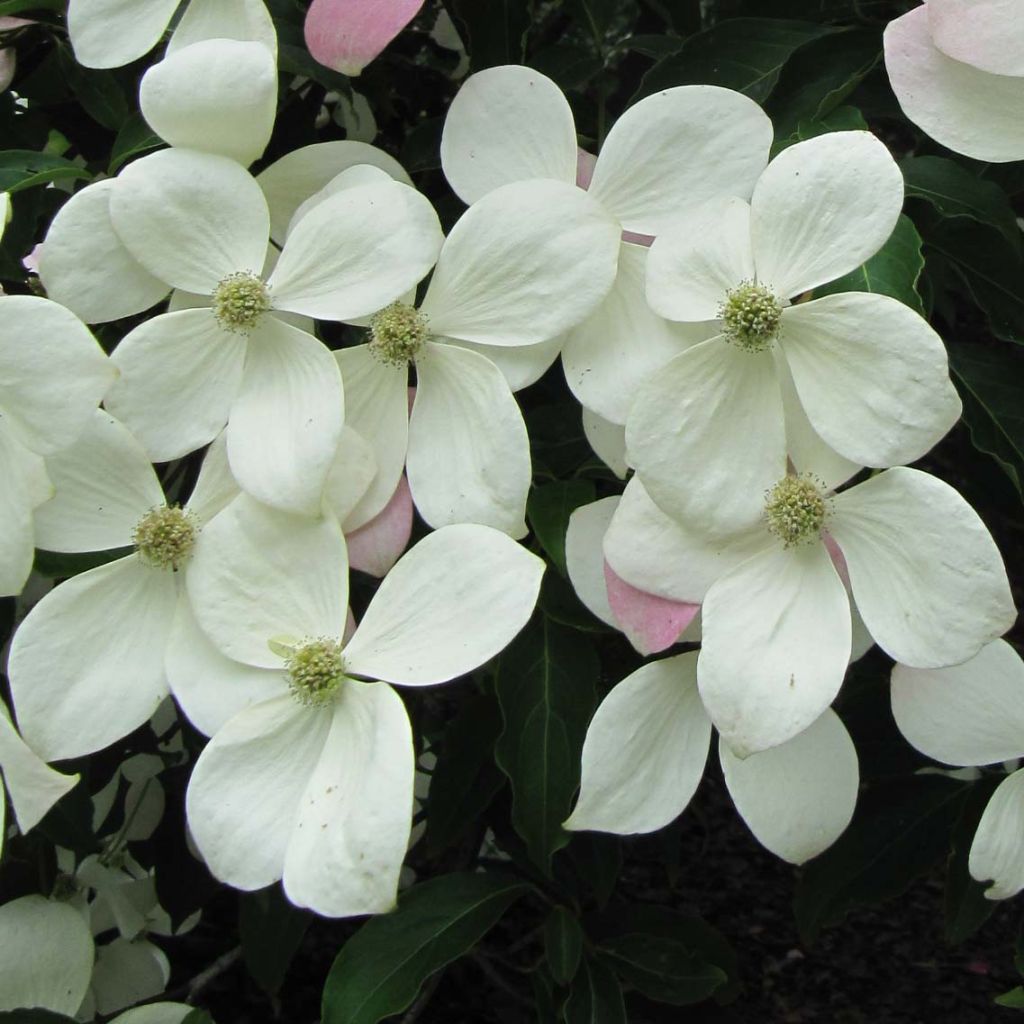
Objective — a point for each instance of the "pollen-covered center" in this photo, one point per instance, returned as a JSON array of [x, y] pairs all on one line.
[[398, 333], [750, 316], [316, 671], [165, 536], [239, 301], [796, 510]]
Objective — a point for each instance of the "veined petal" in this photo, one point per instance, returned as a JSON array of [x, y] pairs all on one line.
[[243, 800], [987, 34], [584, 557], [53, 374], [356, 252], [622, 343], [926, 575], [797, 798], [645, 750], [179, 375], [376, 546], [657, 158], [104, 485], [111, 33], [507, 124], [469, 454], [776, 646], [346, 35], [155, 1013], [87, 664], [608, 441], [246, 20], [21, 470], [215, 486], [970, 111], [651, 623], [260, 574], [452, 602], [285, 424], [821, 208], [872, 376], [352, 831], [217, 96], [707, 436], [190, 218], [352, 177], [85, 266], [352, 471], [521, 366], [996, 849], [967, 714]]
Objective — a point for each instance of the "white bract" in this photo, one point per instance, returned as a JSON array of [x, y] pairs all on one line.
[[314, 784], [708, 434], [973, 714], [926, 577], [200, 223], [669, 152]]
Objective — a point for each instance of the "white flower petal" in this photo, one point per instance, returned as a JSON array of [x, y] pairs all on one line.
[[707, 435], [452, 602], [215, 486], [19, 469], [608, 441], [797, 798], [507, 124], [996, 852], [285, 424], [822, 208], [351, 472], [469, 454], [179, 374], [110, 33], [247, 20], [190, 218], [127, 972], [584, 555], [926, 574], [85, 266], [259, 574], [645, 750], [86, 665], [352, 831], [356, 252], [523, 265], [46, 955], [520, 366], [104, 486], [967, 110], [776, 646], [217, 96], [352, 177], [243, 799], [155, 1013], [678, 148], [987, 34]]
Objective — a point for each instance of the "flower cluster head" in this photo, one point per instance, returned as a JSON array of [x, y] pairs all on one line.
[[239, 301], [398, 334], [165, 536], [795, 510], [751, 316], [316, 671]]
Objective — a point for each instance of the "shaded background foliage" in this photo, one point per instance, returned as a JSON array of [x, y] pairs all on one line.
[[511, 919]]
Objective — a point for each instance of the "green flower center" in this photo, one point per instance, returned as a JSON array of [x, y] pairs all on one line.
[[239, 301], [796, 510], [751, 315], [164, 537], [316, 671], [398, 333]]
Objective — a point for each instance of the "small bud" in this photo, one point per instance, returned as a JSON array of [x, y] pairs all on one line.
[[316, 671], [796, 509], [751, 315], [239, 301], [165, 536], [398, 333]]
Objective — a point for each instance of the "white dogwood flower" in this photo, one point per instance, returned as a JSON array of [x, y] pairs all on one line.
[[708, 434], [314, 784]]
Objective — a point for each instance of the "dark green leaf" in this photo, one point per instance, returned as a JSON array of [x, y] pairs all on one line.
[[557, 442], [99, 92], [746, 54], [69, 822], [548, 510], [421, 150], [900, 830], [135, 137], [545, 684], [1014, 999], [596, 996], [494, 30], [662, 968], [295, 59], [893, 270], [570, 67], [271, 930], [34, 1017], [198, 1017], [21, 168], [19, 6], [597, 858], [842, 119], [966, 907], [563, 944], [655, 46], [60, 565], [606, 22], [381, 968]]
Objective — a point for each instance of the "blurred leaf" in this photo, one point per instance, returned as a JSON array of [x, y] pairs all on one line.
[[271, 929], [746, 54], [545, 685], [135, 137], [421, 150], [966, 907], [548, 509], [198, 1017], [893, 270], [655, 46], [294, 58], [494, 31], [597, 858], [563, 944], [1014, 999], [21, 168], [899, 831], [69, 822], [99, 92], [662, 968], [18, 6], [381, 968], [557, 442], [596, 996], [842, 119], [34, 1017], [570, 67], [605, 22]]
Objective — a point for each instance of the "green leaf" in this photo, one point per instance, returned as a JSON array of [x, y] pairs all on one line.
[[596, 996], [545, 685], [548, 509], [271, 929], [36, 1016], [606, 22], [1014, 999], [899, 831], [19, 6], [597, 860], [563, 944], [296, 60], [746, 54], [966, 907], [662, 968], [955, 192], [842, 119], [60, 565], [99, 92], [991, 385], [22, 168], [198, 1017], [381, 968], [494, 31], [135, 137], [893, 270]]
